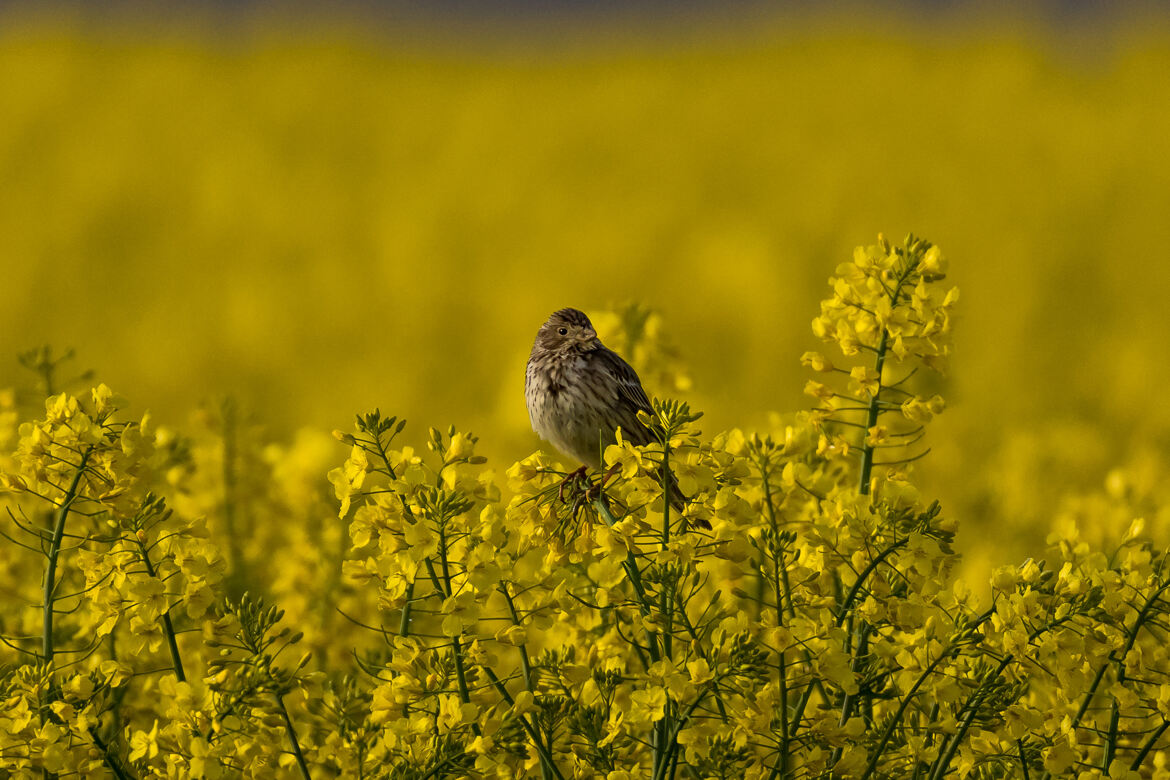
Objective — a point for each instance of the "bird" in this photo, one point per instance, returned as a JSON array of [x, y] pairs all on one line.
[[579, 392]]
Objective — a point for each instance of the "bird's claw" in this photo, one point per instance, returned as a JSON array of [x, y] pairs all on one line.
[[594, 491], [591, 492], [570, 478]]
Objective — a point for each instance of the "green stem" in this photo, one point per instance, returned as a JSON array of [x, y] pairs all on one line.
[[875, 404], [1146, 748], [665, 598], [665, 609], [967, 714], [111, 762], [843, 612], [631, 566], [1088, 698], [385, 456], [928, 742], [665, 489], [779, 577], [775, 526], [802, 703], [47, 646], [970, 709], [456, 645], [292, 737], [460, 675], [782, 765], [848, 701], [524, 663], [168, 627], [1111, 738], [660, 772], [404, 621], [1138, 622], [545, 755], [871, 415], [526, 669], [686, 620], [889, 732], [1023, 760], [862, 633], [1115, 715]]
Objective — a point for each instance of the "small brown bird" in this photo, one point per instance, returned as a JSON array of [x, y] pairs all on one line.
[[579, 392]]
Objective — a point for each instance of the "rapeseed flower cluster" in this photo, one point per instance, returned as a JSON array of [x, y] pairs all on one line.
[[423, 154], [197, 606]]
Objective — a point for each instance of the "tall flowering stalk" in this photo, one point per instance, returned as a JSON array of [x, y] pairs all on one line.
[[109, 550], [799, 618], [885, 306]]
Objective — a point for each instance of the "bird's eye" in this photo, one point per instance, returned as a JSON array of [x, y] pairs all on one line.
[[563, 331]]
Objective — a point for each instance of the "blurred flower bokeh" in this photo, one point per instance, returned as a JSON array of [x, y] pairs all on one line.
[[255, 226], [325, 217]]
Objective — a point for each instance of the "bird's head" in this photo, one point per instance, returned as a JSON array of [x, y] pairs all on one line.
[[567, 330]]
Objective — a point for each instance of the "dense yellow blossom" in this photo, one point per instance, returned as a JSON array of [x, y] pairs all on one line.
[[201, 605]]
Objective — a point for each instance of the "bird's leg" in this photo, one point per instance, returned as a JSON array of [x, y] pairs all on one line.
[[578, 504], [595, 490], [572, 476], [610, 474]]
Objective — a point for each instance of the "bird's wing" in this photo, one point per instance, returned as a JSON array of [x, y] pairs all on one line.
[[631, 398], [628, 385]]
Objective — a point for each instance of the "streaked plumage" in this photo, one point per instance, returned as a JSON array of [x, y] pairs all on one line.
[[579, 392]]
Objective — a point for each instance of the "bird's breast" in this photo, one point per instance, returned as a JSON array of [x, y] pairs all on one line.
[[561, 406]]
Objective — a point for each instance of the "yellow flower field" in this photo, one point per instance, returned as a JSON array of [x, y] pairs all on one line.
[[950, 562]]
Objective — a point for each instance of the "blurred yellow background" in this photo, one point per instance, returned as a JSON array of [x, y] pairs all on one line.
[[320, 220]]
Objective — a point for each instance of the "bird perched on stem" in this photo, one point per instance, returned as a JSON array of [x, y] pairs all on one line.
[[579, 393]]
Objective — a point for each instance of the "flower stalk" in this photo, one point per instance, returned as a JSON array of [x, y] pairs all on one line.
[[48, 647]]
